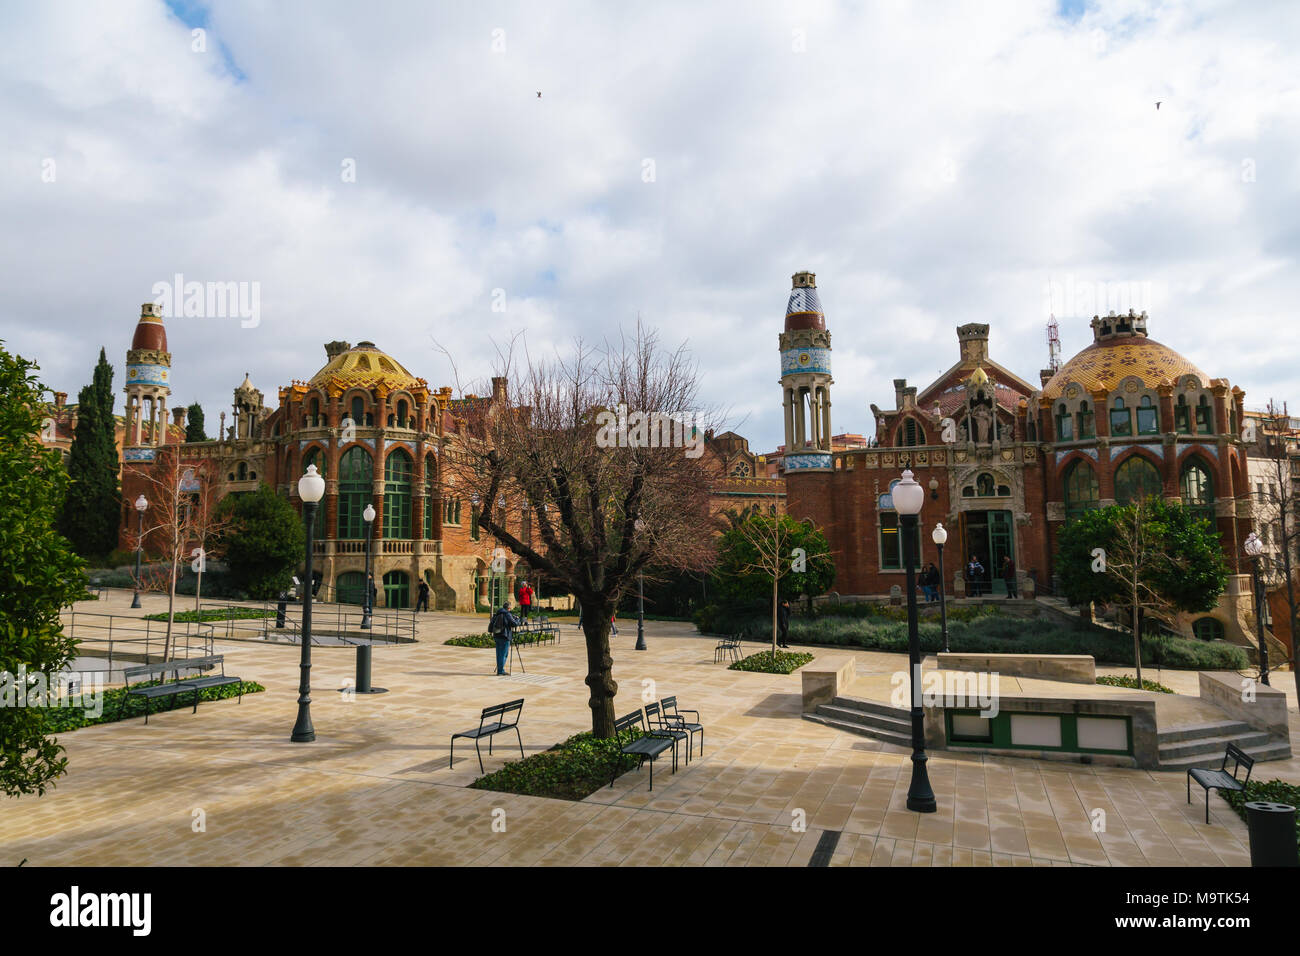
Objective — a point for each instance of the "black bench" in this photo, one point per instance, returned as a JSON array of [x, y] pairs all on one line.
[[1220, 779], [541, 631], [654, 714], [651, 745], [193, 685], [507, 719], [728, 645], [674, 716]]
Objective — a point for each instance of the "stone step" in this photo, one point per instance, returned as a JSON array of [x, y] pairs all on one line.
[[882, 722], [1219, 728], [872, 707], [853, 727], [1213, 746], [1279, 750]]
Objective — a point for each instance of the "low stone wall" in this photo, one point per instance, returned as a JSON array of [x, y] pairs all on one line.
[[1229, 691], [1072, 668], [825, 679]]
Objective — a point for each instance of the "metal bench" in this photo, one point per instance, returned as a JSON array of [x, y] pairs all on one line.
[[507, 719], [194, 685], [651, 745], [541, 632], [674, 717], [654, 714], [1220, 779], [728, 645]]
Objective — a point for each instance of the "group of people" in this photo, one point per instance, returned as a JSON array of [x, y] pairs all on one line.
[[931, 581]]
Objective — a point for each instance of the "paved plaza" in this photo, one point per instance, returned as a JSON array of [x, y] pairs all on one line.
[[375, 787]]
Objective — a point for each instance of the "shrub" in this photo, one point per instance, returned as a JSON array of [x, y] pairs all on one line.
[[487, 640], [214, 614], [764, 662], [572, 770], [1271, 791], [1128, 680], [119, 706]]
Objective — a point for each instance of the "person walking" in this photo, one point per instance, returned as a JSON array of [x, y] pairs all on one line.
[[422, 602], [501, 626], [974, 575], [783, 623], [372, 593], [525, 600], [930, 583], [1009, 576]]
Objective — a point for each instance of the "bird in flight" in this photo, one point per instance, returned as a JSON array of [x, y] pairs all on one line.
[[1158, 102], [539, 94]]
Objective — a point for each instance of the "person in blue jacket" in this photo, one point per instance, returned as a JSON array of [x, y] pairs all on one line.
[[501, 626]]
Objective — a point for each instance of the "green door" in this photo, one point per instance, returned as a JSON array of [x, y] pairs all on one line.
[[1001, 546], [397, 589], [350, 588]]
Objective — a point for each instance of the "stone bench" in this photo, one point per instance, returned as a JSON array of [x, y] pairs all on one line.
[[1072, 668], [825, 679]]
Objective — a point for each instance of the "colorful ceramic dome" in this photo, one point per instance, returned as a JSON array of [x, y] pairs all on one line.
[[804, 308], [364, 365], [1121, 348], [150, 333]]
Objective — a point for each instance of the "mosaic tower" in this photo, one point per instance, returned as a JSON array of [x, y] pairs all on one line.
[[148, 385], [806, 378]]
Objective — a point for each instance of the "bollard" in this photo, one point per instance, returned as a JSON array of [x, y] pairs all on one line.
[[1272, 834], [363, 669], [279, 613]]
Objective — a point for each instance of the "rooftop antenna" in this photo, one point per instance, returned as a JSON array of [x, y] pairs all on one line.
[[1053, 344]]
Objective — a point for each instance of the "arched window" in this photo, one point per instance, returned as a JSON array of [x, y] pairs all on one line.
[[1121, 420], [430, 483], [1087, 422], [397, 495], [909, 434], [1081, 491], [1004, 491], [1208, 628], [968, 491], [315, 412], [317, 458], [1064, 424], [358, 410], [1137, 479], [1197, 488], [242, 471], [1182, 416], [1204, 424], [402, 414], [1147, 423], [984, 485], [356, 486]]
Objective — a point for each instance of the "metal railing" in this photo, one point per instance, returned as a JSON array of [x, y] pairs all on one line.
[[284, 619], [135, 639]]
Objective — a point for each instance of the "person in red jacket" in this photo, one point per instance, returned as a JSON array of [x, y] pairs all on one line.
[[525, 600]]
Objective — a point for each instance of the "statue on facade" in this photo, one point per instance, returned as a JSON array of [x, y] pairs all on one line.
[[983, 425]]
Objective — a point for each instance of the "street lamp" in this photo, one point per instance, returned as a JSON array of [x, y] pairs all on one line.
[[140, 506], [369, 517], [940, 537], [311, 488], [1254, 549], [908, 496], [640, 600]]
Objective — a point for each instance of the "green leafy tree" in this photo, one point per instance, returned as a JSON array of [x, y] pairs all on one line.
[[194, 423], [770, 556], [39, 575], [262, 541], [1153, 558], [93, 504]]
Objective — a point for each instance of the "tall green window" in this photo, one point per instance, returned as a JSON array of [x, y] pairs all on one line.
[[356, 486], [1121, 420], [1146, 414], [397, 495], [1182, 416], [1087, 422], [316, 457], [891, 542], [1137, 479], [1081, 491], [1204, 424], [1197, 488], [430, 482], [1064, 424]]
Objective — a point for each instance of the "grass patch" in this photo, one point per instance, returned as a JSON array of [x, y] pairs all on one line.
[[487, 640], [214, 614], [1272, 791], [1129, 681], [118, 706], [764, 662], [572, 770]]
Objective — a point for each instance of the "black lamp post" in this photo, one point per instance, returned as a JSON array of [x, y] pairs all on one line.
[[908, 496], [311, 487], [640, 601], [940, 537], [140, 505], [369, 516], [1255, 549]]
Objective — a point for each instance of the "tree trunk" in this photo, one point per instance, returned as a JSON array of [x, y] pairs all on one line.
[[774, 614], [600, 665], [1137, 635]]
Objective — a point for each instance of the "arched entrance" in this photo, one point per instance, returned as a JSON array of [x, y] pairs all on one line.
[[397, 589], [990, 537]]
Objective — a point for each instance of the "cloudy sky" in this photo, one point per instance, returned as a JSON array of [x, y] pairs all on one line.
[[380, 170]]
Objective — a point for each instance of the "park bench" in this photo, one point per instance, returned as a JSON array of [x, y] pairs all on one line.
[[541, 630], [654, 714], [193, 685], [1220, 779], [728, 645], [674, 716], [507, 718], [651, 745]]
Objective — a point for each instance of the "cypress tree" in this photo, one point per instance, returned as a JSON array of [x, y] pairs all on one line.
[[194, 423], [93, 503]]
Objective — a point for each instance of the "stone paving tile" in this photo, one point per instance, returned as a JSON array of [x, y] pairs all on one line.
[[375, 787]]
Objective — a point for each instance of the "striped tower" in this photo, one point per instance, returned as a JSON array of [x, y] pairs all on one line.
[[806, 379], [148, 385]]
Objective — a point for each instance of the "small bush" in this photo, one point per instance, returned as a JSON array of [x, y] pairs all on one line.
[[1128, 680], [764, 662], [118, 706], [1271, 791], [572, 770], [487, 640], [215, 614]]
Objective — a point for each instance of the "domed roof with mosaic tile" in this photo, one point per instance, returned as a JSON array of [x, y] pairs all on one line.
[[1121, 348], [364, 365]]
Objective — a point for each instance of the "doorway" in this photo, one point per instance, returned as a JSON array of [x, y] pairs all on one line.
[[397, 589], [989, 537]]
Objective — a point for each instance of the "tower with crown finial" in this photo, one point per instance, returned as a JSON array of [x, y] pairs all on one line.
[[148, 386], [806, 378]]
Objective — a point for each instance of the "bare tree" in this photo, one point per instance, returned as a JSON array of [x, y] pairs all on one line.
[[1130, 562], [1278, 509], [602, 447]]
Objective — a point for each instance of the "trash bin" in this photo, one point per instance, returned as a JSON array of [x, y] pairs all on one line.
[[1272, 834]]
